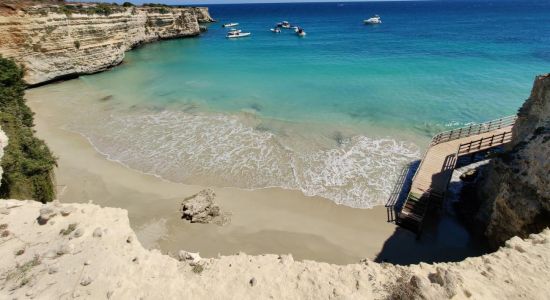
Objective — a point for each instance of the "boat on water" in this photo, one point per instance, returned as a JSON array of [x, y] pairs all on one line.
[[284, 24], [237, 34], [373, 20], [230, 24], [275, 30], [235, 30], [300, 32]]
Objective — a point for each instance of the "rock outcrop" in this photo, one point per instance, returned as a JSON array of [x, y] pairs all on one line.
[[516, 188], [54, 42], [203, 15], [93, 253], [201, 208]]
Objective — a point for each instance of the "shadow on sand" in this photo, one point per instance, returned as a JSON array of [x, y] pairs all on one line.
[[443, 238]]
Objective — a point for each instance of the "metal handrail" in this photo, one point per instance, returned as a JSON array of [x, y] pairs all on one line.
[[473, 129]]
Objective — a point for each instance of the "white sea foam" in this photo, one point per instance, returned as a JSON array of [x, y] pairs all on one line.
[[216, 149]]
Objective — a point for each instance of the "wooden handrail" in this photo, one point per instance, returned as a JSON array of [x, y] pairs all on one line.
[[485, 143], [473, 130]]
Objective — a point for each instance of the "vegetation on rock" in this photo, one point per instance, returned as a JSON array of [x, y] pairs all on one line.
[[27, 162]]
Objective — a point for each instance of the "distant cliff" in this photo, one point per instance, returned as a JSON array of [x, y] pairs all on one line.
[[516, 187], [55, 41]]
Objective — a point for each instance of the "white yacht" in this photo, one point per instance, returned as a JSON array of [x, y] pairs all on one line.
[[230, 24], [300, 32], [275, 30], [373, 20], [237, 34], [284, 24]]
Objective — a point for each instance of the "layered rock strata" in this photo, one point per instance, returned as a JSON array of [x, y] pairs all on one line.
[[52, 42]]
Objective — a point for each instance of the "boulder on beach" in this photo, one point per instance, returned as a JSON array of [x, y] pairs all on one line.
[[201, 208]]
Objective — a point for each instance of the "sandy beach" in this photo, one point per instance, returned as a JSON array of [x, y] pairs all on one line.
[[270, 220]]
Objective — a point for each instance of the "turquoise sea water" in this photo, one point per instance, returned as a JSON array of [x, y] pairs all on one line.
[[335, 113]]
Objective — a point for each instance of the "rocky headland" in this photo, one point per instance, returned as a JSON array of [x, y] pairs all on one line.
[[515, 190], [56, 40]]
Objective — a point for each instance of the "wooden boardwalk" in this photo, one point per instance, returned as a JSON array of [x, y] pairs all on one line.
[[432, 177]]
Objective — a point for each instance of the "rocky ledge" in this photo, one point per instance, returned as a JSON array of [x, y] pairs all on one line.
[[59, 41], [82, 250], [515, 192]]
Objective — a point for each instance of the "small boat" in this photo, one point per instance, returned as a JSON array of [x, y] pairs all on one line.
[[230, 24], [284, 24], [237, 34], [296, 28], [300, 32], [373, 20], [235, 30], [275, 30]]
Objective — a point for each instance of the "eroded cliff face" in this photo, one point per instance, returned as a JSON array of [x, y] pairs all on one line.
[[53, 43], [203, 15], [82, 250], [516, 188]]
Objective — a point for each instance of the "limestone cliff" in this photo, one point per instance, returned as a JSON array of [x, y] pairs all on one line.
[[56, 41], [516, 188], [203, 15], [59, 251]]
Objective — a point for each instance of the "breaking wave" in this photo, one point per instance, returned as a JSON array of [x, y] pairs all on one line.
[[223, 150]]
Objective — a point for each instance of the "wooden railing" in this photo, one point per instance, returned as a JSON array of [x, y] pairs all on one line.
[[473, 130], [485, 143]]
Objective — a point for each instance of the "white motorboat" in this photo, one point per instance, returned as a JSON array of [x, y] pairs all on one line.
[[275, 30], [237, 34], [230, 24], [235, 30], [284, 24], [300, 32], [373, 20]]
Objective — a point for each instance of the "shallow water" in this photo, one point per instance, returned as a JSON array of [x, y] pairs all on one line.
[[334, 114]]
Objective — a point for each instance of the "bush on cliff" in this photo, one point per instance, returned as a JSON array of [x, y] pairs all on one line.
[[27, 162]]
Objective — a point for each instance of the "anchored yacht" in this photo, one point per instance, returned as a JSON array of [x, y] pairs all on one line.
[[237, 34], [373, 20], [230, 24]]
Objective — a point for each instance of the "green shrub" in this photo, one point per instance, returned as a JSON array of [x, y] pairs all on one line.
[[27, 162], [68, 230], [127, 4], [198, 269], [77, 44]]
